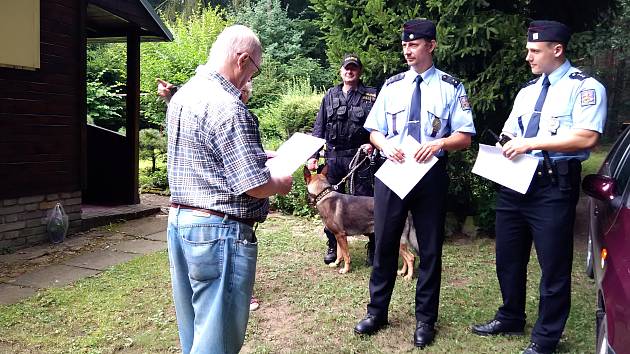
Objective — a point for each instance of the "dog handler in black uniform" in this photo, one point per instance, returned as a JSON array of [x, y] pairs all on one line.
[[557, 117], [340, 122], [432, 107]]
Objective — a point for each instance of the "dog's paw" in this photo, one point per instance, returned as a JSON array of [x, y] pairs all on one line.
[[408, 277], [401, 272], [333, 265], [344, 271]]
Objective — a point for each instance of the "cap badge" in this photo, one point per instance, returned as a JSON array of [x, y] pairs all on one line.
[[535, 36], [411, 36]]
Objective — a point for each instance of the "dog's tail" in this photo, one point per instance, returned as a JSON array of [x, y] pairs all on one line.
[[409, 235]]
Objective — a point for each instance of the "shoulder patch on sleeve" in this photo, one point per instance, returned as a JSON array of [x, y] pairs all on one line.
[[394, 78], [463, 102], [578, 76], [451, 80], [530, 82], [588, 97]]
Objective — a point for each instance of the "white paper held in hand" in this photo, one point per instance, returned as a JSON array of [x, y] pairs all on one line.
[[402, 177], [515, 174], [293, 153]]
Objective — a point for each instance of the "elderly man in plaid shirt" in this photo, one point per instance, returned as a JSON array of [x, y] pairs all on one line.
[[219, 188]]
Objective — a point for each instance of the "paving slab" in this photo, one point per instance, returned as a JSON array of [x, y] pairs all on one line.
[[143, 227], [139, 246], [53, 276], [11, 294], [100, 260], [160, 236]]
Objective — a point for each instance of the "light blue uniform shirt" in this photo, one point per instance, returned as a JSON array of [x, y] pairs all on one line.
[[574, 101], [444, 107]]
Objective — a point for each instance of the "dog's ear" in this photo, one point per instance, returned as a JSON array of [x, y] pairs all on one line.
[[324, 170], [307, 174]]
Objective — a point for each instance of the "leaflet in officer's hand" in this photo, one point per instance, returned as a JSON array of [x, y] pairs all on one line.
[[514, 174], [293, 153], [402, 177]]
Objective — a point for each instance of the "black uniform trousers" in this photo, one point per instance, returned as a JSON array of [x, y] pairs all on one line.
[[337, 170], [427, 203], [544, 215]]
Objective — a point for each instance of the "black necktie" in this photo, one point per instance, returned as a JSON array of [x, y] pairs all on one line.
[[532, 126], [413, 124]]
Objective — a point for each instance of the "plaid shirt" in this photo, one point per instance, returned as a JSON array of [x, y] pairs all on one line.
[[214, 150]]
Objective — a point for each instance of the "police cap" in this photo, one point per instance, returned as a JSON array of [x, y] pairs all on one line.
[[548, 31], [418, 28], [351, 58]]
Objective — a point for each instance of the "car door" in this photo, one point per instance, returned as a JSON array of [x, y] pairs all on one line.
[[604, 213]]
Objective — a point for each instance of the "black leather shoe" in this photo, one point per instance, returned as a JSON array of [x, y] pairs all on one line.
[[331, 254], [425, 333], [369, 260], [496, 327], [370, 325], [534, 348]]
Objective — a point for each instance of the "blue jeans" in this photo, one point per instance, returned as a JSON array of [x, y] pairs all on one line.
[[213, 266]]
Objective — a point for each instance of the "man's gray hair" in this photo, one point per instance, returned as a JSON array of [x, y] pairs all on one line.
[[232, 40]]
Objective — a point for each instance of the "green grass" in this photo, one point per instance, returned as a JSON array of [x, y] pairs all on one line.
[[595, 160], [146, 164], [306, 307]]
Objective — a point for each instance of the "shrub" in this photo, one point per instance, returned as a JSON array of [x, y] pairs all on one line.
[[294, 111], [104, 108], [296, 202], [154, 181]]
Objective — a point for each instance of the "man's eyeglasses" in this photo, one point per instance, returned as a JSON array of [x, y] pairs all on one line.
[[253, 62], [257, 67]]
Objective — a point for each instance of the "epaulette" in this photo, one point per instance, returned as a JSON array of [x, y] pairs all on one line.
[[451, 80], [395, 78], [529, 83], [578, 76]]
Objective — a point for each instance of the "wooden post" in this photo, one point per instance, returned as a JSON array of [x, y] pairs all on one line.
[[133, 113]]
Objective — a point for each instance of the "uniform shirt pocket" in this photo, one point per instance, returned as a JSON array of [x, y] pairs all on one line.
[[556, 121], [396, 119], [357, 114], [436, 123]]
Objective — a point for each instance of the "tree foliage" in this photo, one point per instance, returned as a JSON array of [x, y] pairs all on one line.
[[152, 146], [477, 43], [176, 61], [284, 53]]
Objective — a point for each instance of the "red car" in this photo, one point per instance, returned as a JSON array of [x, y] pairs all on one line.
[[609, 246]]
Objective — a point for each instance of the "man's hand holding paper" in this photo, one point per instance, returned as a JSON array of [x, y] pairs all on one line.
[[515, 174], [402, 177], [292, 153]]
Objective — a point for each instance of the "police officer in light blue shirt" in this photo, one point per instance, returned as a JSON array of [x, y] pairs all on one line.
[[432, 107], [444, 109], [557, 117]]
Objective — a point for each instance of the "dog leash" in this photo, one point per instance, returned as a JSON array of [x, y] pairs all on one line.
[[353, 167]]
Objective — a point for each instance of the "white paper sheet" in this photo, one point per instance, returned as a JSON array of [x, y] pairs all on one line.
[[515, 174], [402, 177], [293, 153]]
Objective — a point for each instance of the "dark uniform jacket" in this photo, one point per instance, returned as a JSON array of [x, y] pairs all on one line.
[[340, 119]]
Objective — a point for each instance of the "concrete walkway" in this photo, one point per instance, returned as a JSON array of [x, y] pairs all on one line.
[[82, 255]]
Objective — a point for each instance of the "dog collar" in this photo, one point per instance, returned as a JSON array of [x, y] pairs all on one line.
[[322, 194]]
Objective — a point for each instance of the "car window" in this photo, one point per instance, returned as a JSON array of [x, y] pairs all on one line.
[[621, 170], [618, 153]]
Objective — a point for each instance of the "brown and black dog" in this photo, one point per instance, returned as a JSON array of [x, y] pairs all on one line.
[[348, 215]]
